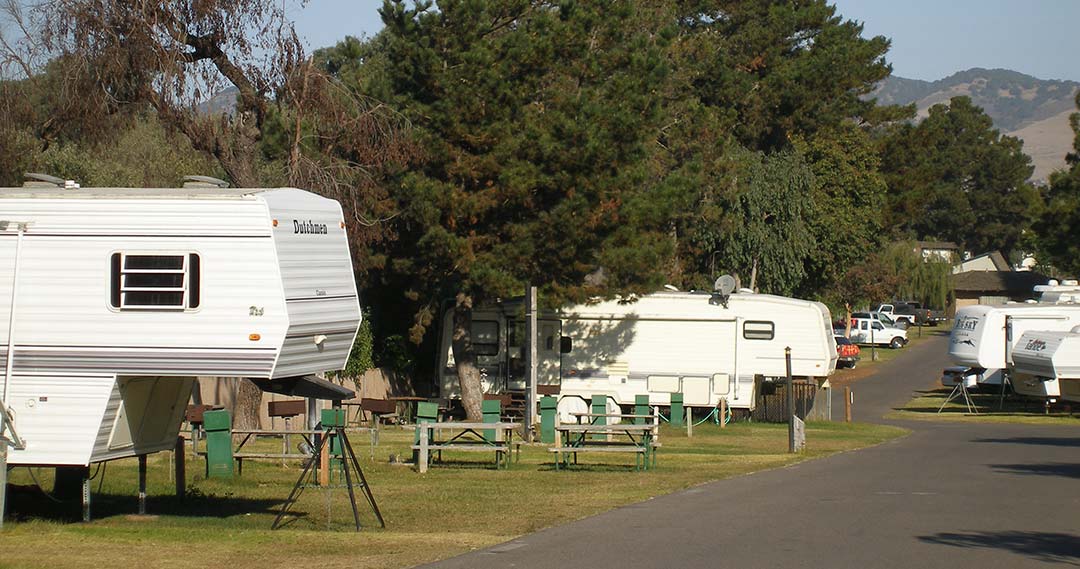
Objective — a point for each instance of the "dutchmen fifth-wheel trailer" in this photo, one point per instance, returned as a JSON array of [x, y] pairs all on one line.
[[661, 344], [112, 300], [983, 336]]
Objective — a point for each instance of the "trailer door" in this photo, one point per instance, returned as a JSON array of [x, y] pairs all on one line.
[[549, 361]]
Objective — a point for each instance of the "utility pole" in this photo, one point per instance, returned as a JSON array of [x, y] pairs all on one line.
[[530, 361], [790, 402]]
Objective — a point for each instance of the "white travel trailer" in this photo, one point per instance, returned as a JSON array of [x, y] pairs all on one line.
[[112, 300], [1047, 364], [983, 336], [663, 343]]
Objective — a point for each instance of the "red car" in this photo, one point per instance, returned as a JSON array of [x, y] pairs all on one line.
[[847, 352]]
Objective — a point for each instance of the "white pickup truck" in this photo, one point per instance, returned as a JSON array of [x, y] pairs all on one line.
[[903, 319], [872, 328]]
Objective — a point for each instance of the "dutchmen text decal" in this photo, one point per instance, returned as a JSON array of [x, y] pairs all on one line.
[[308, 227]]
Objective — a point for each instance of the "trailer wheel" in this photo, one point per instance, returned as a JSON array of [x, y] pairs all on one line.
[[896, 343]]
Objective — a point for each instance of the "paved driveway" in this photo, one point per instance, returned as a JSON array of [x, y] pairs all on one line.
[[949, 495]]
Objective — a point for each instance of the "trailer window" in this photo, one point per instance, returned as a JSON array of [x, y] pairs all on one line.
[[161, 282], [485, 337], [758, 330]]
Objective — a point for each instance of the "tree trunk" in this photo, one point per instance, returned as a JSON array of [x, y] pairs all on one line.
[[753, 276], [472, 392], [847, 320], [246, 410]]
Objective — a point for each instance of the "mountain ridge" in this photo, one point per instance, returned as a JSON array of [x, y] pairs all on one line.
[[1032, 109]]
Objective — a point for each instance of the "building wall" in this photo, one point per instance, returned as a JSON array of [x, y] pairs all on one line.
[[374, 384]]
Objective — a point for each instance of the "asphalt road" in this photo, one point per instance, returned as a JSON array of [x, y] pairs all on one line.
[[948, 495]]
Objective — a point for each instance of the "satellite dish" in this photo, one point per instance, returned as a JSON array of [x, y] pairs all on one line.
[[724, 285]]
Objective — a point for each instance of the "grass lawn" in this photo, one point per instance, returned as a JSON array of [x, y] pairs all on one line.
[[1016, 409], [459, 505]]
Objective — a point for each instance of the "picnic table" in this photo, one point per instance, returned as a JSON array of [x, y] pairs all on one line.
[[639, 439], [435, 437], [287, 451], [595, 417]]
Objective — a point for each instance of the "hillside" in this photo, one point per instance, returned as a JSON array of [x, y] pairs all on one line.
[[1035, 110]]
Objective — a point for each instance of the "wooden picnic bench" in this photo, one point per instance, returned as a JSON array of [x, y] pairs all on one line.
[[287, 452], [638, 439], [434, 437]]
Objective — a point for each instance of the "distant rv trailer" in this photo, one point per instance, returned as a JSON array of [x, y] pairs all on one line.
[[112, 301], [979, 342], [1047, 365], [664, 343]]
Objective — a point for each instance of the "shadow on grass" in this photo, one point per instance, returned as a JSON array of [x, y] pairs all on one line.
[[27, 502], [594, 467], [986, 402], [1043, 546], [1046, 441], [1048, 469], [457, 463]]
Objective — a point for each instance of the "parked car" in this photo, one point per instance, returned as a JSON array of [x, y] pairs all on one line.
[[876, 328], [847, 352]]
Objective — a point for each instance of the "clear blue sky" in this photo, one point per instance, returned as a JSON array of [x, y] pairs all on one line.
[[931, 39]]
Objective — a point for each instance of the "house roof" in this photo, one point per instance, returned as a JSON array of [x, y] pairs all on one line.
[[995, 257], [1014, 283]]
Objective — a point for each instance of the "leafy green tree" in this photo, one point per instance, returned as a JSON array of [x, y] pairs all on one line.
[[954, 177], [780, 69], [928, 281], [1057, 227], [895, 271], [849, 197], [771, 77], [767, 239], [536, 117]]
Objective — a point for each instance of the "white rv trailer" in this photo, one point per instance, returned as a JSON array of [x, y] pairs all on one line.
[[663, 343], [112, 300], [1047, 364], [978, 339]]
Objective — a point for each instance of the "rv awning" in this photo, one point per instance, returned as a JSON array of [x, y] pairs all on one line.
[[305, 386]]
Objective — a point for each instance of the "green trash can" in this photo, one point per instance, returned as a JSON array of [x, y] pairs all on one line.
[[333, 419], [677, 412], [492, 411], [599, 407], [219, 454], [641, 407], [548, 409]]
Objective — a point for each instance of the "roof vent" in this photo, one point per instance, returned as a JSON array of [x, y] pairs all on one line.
[[204, 182], [37, 180]]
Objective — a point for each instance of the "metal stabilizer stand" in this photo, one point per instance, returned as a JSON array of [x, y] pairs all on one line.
[[958, 391], [14, 442], [1004, 383], [351, 470]]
